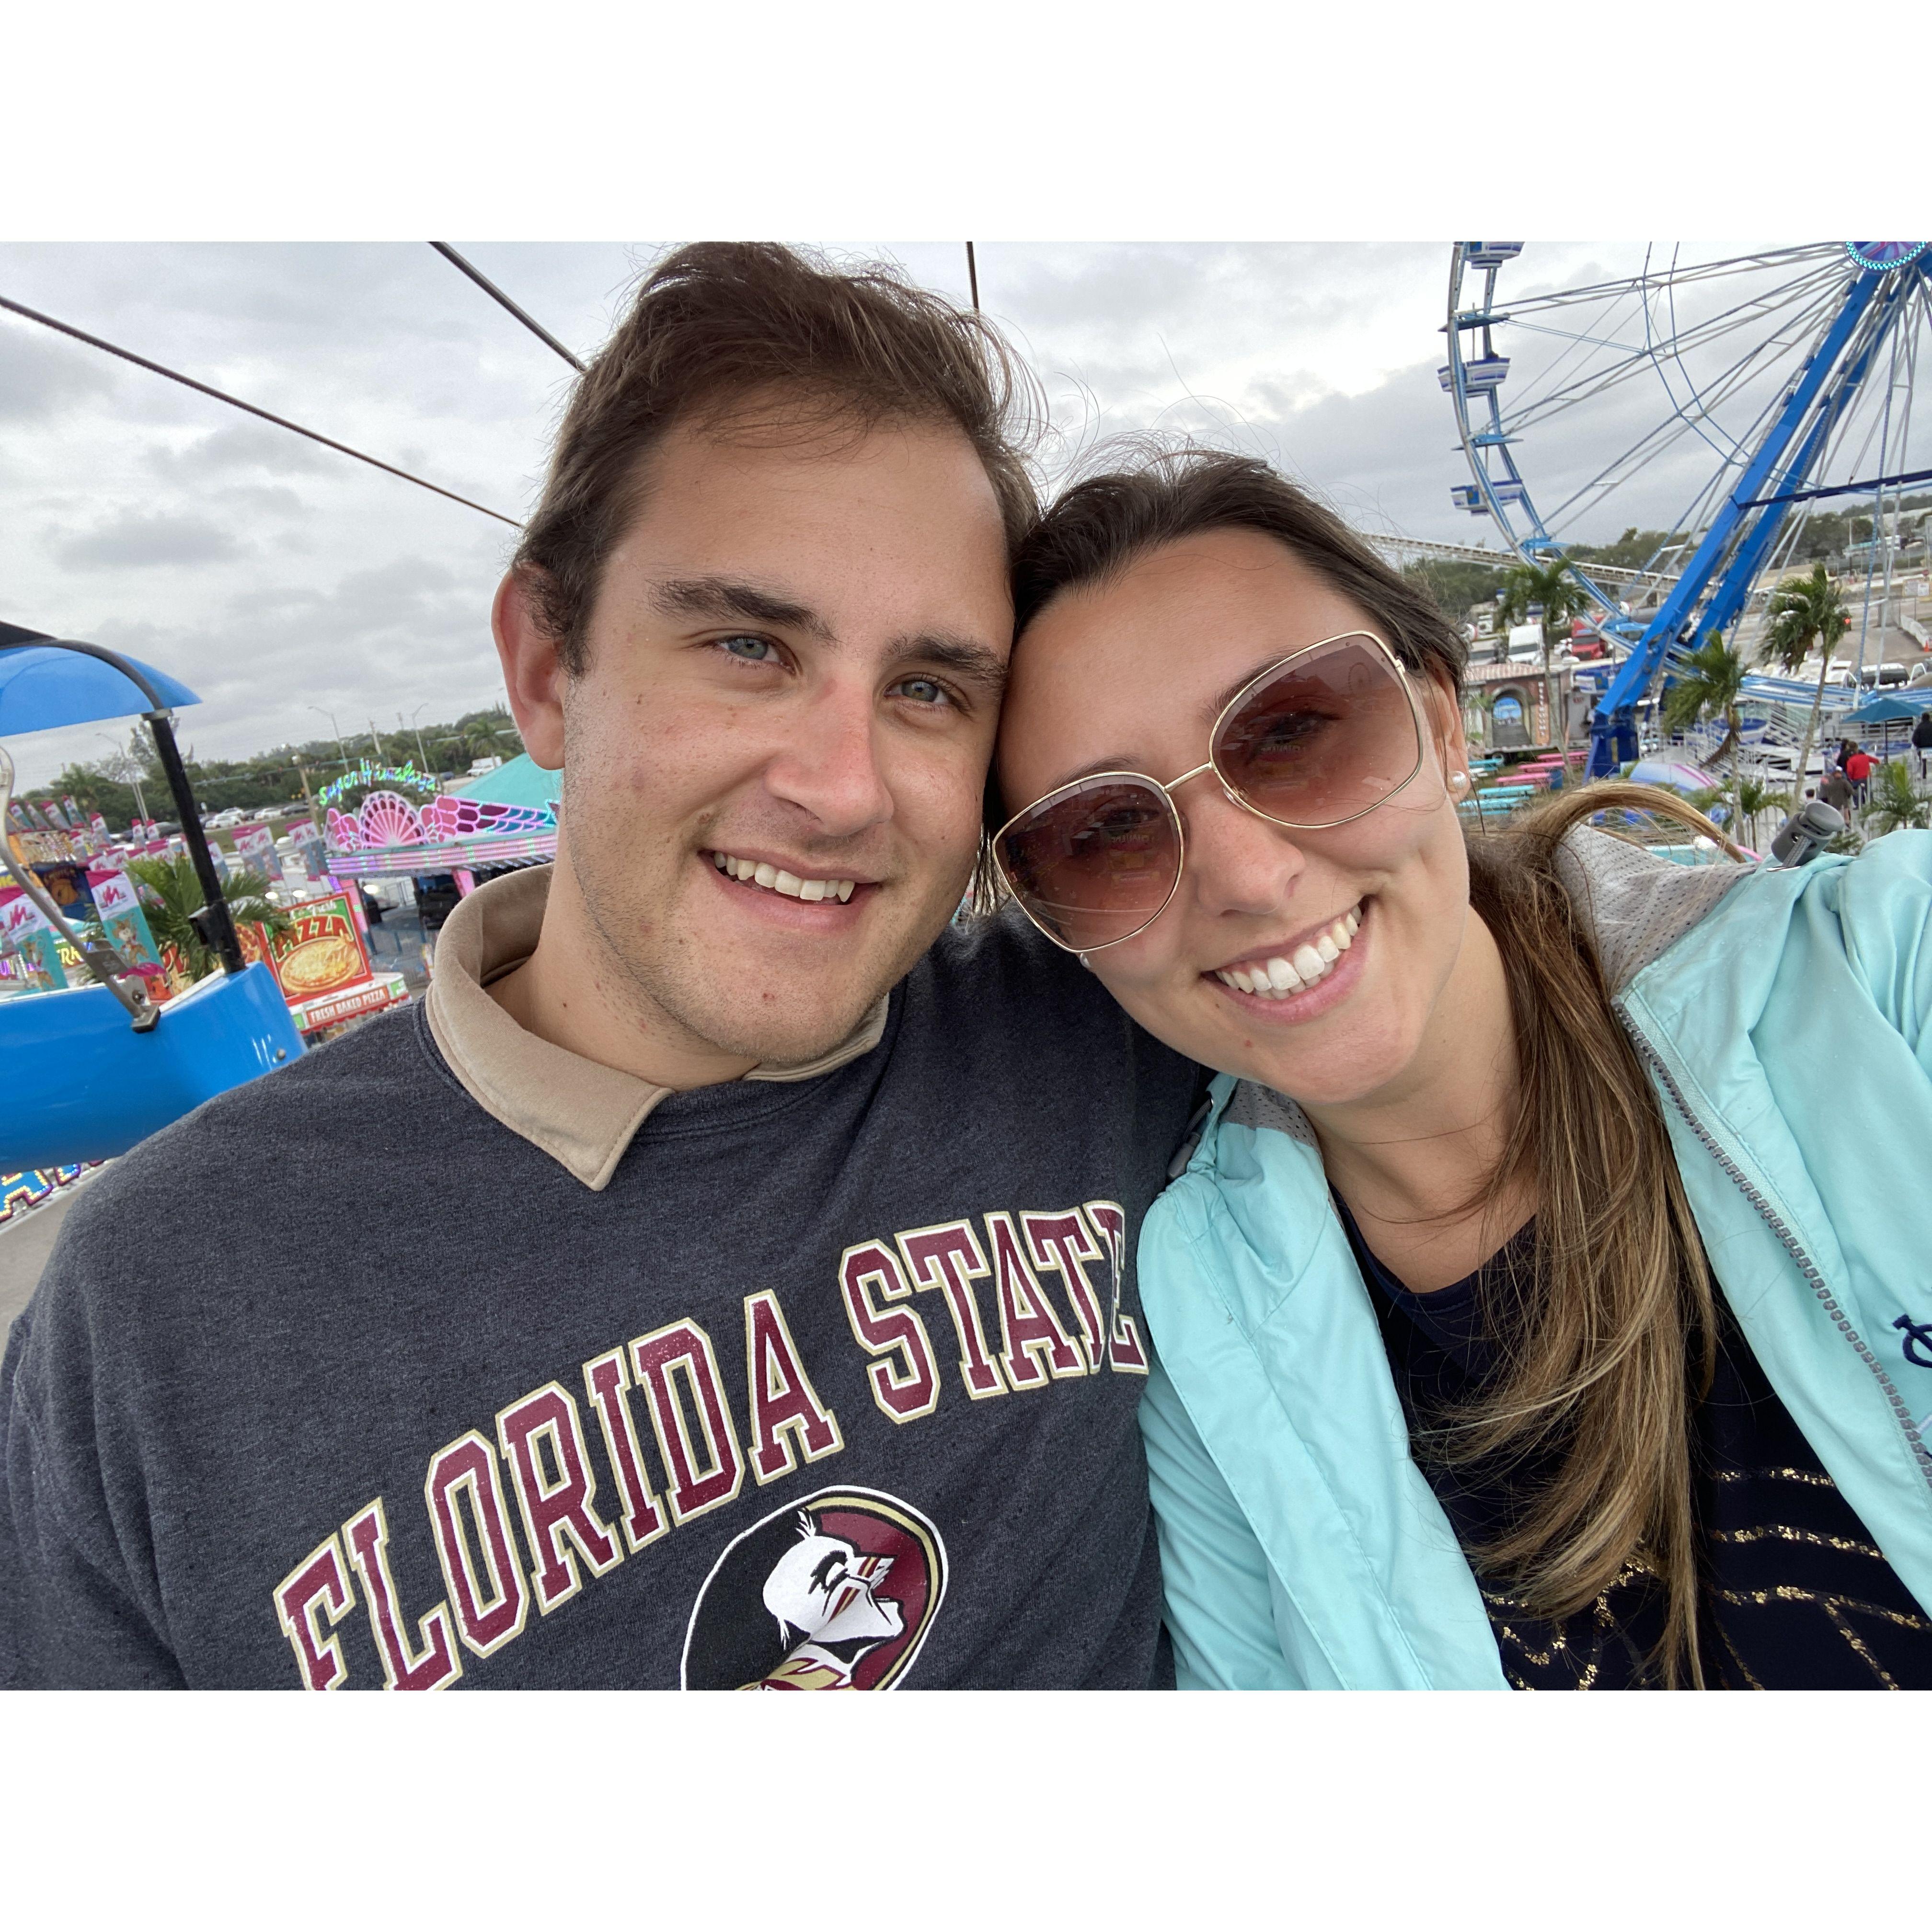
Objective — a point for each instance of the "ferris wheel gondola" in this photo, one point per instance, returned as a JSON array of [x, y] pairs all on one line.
[[1765, 386]]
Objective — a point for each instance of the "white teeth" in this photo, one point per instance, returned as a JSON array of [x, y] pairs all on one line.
[[1281, 978], [758, 872]]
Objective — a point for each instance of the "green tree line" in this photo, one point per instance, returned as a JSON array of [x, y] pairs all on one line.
[[274, 777]]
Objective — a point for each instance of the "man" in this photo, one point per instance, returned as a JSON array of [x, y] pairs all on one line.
[[1858, 764], [708, 1212]]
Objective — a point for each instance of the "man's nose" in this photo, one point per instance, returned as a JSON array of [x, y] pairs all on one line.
[[828, 764], [1237, 862]]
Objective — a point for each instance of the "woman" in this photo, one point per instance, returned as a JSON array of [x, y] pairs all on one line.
[[1522, 1316]]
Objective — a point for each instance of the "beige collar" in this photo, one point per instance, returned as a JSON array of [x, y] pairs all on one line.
[[579, 1111]]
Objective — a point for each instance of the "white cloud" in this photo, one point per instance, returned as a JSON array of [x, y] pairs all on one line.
[[277, 577]]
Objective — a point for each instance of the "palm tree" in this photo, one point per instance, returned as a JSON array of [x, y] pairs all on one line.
[[1895, 804], [1708, 684], [1561, 597], [1803, 611], [172, 894], [1754, 798]]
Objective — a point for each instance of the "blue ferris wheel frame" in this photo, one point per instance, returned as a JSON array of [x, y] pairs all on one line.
[[1736, 545]]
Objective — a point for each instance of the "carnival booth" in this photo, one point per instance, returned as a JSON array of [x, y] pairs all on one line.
[[504, 819], [95, 1062]]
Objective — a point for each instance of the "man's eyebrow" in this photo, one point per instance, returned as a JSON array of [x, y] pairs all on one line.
[[724, 598], [971, 663]]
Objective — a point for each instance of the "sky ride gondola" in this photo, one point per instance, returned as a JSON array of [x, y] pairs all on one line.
[[1762, 388], [92, 1069]]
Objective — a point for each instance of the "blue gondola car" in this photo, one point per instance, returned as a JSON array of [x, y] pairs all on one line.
[[1490, 254], [1483, 372], [90, 1070]]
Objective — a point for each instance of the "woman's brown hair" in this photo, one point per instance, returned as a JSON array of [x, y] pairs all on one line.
[[1602, 1365]]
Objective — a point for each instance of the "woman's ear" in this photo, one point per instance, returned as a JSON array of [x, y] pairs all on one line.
[[1446, 728]]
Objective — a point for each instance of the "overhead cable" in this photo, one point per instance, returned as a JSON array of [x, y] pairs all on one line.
[[235, 402], [496, 294]]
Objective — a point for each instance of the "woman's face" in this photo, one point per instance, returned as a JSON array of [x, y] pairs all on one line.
[[1130, 675]]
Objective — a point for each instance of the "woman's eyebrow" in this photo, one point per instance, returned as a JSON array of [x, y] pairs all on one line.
[[1223, 698], [1116, 761]]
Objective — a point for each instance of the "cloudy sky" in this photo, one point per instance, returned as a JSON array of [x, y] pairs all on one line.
[[285, 583]]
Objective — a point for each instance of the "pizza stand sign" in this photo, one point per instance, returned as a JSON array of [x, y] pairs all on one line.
[[321, 964]]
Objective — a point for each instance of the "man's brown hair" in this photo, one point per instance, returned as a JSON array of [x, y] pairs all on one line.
[[719, 323]]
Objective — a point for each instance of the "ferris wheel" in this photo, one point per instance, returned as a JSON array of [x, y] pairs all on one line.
[[1722, 403]]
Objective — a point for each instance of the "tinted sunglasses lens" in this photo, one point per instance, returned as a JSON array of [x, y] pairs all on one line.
[[1095, 863], [1329, 735]]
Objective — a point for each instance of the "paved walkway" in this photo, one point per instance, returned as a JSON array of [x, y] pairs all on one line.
[[24, 1246]]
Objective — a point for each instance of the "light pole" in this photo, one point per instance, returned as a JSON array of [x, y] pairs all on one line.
[[128, 766], [380, 754], [420, 752], [336, 729]]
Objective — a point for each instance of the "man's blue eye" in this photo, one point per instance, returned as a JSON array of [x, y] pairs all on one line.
[[924, 691], [750, 650]]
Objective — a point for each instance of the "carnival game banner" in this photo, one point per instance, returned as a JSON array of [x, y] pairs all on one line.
[[117, 903], [27, 933], [255, 847]]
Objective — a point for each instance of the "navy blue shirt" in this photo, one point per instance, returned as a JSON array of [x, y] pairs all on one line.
[[1797, 1595]]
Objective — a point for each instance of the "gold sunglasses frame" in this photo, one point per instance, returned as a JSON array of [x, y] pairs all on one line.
[[1167, 790]]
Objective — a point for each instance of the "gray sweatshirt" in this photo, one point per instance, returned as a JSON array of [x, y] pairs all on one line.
[[444, 1355]]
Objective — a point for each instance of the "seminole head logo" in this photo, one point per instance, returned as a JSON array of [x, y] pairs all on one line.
[[834, 1593]]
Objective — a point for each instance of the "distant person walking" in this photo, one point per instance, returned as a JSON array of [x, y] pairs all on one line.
[[1922, 739], [1858, 770], [1836, 791]]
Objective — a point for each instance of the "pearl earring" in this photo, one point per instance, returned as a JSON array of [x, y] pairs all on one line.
[[1086, 962], [1459, 782]]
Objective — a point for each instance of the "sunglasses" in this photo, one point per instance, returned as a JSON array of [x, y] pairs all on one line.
[[1321, 737]]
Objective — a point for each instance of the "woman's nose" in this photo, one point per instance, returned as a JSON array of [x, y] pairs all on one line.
[[1239, 863]]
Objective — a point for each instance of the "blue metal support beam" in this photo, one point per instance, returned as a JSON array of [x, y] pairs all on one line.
[[1613, 723], [1735, 586]]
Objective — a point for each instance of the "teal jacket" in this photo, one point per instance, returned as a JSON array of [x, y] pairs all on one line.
[[1786, 1020]]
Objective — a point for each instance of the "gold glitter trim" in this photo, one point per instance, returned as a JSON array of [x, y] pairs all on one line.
[[1835, 1609], [1786, 1532], [1816, 1479]]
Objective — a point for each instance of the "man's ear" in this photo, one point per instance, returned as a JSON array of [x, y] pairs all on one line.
[[533, 673]]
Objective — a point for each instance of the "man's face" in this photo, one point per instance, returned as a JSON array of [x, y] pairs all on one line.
[[794, 666]]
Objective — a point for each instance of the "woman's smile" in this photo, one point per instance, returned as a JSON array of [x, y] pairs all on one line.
[[1291, 981]]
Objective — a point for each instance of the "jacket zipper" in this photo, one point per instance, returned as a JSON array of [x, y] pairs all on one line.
[[1806, 1266]]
